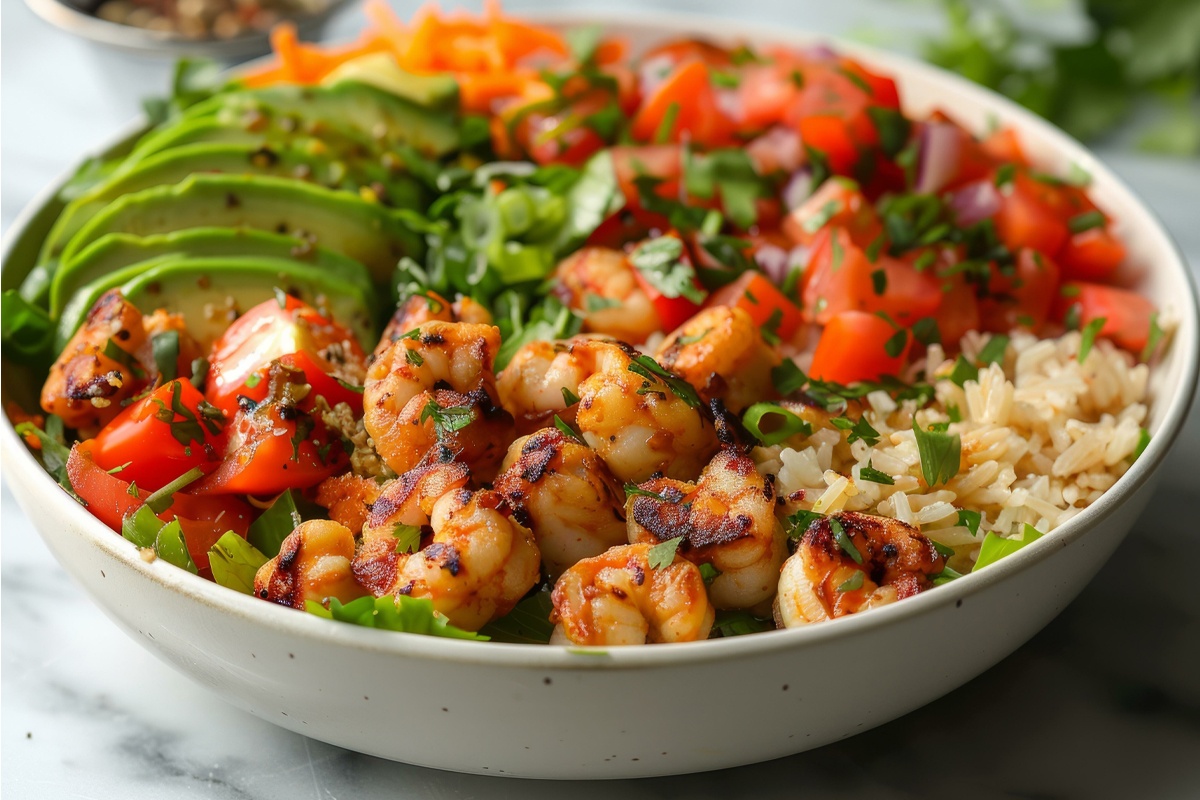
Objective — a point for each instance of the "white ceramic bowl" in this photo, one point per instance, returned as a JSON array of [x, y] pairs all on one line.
[[551, 712]]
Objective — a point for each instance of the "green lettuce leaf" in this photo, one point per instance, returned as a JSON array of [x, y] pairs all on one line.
[[401, 614]]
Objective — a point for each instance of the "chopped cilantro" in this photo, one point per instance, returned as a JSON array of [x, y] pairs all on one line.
[[844, 541], [993, 351], [1142, 443], [446, 420], [408, 538], [569, 397], [997, 547], [770, 328], [869, 473], [970, 520], [963, 371], [925, 331], [859, 429], [788, 378], [879, 281], [662, 263], [565, 429], [709, 573], [941, 454], [165, 347], [1086, 221], [662, 554], [1090, 332], [822, 217], [652, 371], [1156, 334]]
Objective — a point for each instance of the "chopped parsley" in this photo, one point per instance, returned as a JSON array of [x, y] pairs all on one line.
[[993, 351], [1086, 221], [970, 520], [770, 328], [565, 429], [963, 371], [569, 397], [165, 347], [844, 541], [709, 573], [853, 583]]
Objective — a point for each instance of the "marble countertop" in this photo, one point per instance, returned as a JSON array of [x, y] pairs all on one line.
[[1105, 702]]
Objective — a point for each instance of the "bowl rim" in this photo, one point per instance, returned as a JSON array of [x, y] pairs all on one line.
[[20, 459], [87, 26]]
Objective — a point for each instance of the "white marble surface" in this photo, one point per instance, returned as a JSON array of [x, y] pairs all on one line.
[[1105, 702]]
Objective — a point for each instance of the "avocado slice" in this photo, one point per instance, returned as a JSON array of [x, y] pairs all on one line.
[[439, 91], [374, 112], [115, 251], [212, 292], [345, 223], [171, 166]]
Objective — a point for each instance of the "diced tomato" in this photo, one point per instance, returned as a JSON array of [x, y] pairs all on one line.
[[883, 89], [664, 162], [686, 95], [626, 226], [1126, 314], [1025, 219], [764, 93], [1023, 299], [958, 312], [276, 445], [295, 333], [110, 499], [840, 277], [159, 438], [681, 50], [1004, 146], [831, 136], [672, 311], [837, 203], [853, 347], [756, 295], [1092, 255]]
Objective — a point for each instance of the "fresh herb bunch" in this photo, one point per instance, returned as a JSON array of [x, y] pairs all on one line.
[[1148, 50]]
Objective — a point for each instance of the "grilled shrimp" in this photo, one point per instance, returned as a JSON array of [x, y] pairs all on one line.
[[600, 284], [348, 498], [108, 360], [474, 562], [721, 352], [618, 598], [531, 386], [560, 490], [314, 563], [822, 580], [429, 307], [726, 520], [638, 424], [433, 386]]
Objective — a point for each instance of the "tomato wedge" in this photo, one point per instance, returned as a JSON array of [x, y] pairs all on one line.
[[683, 104], [765, 304], [296, 333], [854, 347], [1126, 314], [276, 445], [162, 436], [110, 499]]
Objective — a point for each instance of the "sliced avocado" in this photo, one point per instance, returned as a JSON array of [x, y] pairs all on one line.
[[171, 166], [380, 70], [115, 251], [211, 293], [376, 113], [340, 221]]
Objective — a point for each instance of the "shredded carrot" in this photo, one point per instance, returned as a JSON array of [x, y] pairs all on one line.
[[17, 415], [484, 52]]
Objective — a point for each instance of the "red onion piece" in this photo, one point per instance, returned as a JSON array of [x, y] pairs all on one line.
[[777, 150], [798, 188], [820, 52], [654, 71], [773, 261], [937, 161], [975, 202]]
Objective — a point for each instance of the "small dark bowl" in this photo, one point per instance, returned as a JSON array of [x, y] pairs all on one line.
[[76, 17]]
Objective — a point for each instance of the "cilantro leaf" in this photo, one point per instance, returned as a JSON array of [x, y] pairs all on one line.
[[661, 262], [652, 371], [662, 555], [859, 429], [844, 541], [1090, 332], [853, 583], [446, 420], [941, 454], [869, 473]]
